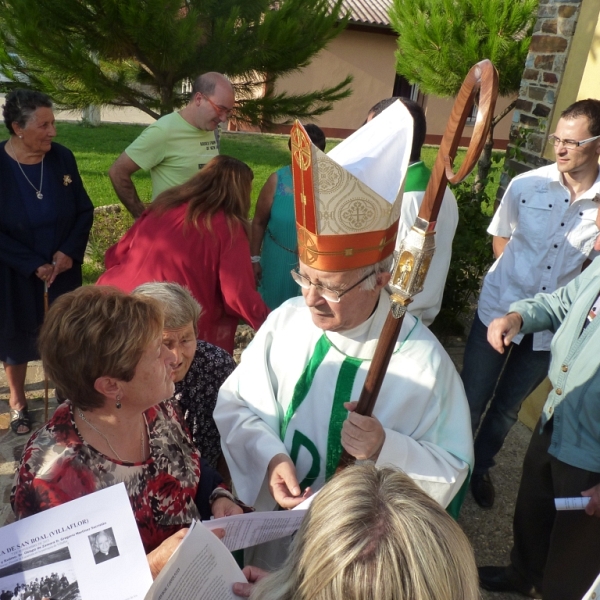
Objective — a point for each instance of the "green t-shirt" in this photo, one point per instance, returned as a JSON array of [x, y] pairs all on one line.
[[172, 150]]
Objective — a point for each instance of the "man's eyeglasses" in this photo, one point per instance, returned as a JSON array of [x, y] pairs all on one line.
[[569, 144], [220, 110], [330, 295]]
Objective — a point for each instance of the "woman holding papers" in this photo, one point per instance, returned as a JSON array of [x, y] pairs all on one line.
[[105, 350]]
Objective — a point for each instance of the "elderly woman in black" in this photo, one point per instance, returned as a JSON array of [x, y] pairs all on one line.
[[45, 219]]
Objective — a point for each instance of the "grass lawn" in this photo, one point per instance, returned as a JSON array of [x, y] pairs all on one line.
[[96, 148]]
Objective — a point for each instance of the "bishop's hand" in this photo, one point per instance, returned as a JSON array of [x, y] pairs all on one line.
[[283, 482], [362, 437]]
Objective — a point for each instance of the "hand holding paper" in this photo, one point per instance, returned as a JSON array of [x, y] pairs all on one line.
[[593, 508], [283, 482]]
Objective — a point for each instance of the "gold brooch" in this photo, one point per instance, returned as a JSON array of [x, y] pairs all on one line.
[[67, 180]]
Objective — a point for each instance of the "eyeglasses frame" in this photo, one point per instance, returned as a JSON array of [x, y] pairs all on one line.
[[220, 110], [556, 141], [319, 286]]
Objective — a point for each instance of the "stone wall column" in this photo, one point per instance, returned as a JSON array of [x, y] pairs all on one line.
[[544, 68]]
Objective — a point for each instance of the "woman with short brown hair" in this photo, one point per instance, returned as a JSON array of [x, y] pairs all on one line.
[[104, 350]]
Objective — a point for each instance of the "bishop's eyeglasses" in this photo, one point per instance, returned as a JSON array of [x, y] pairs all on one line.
[[325, 292]]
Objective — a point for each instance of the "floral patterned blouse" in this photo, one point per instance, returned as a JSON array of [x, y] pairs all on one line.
[[197, 395], [58, 465]]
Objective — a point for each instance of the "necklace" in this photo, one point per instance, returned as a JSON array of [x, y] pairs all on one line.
[[82, 417], [38, 193]]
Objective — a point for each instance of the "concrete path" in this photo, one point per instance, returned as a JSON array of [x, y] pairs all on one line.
[[11, 445]]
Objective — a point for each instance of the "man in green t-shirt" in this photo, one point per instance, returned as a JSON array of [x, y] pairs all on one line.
[[179, 144]]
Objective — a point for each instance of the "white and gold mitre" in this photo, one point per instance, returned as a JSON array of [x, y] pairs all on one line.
[[348, 202]]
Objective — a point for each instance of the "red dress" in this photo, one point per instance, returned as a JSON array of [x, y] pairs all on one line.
[[213, 264]]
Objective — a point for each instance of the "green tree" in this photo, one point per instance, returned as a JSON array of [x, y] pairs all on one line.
[[440, 40], [138, 52]]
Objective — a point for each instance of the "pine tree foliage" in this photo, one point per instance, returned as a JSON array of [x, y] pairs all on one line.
[[138, 52], [440, 40]]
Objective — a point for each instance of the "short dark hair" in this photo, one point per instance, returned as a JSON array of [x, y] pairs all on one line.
[[589, 108], [206, 83], [20, 104], [316, 135], [419, 122]]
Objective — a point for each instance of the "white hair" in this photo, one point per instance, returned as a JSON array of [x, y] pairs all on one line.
[[178, 304], [383, 266]]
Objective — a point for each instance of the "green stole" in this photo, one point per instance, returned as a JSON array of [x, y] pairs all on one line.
[[343, 391], [342, 394], [417, 177]]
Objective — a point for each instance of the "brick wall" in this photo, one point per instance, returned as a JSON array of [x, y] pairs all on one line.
[[541, 80]]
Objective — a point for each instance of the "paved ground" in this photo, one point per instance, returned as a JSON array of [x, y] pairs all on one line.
[[490, 531]]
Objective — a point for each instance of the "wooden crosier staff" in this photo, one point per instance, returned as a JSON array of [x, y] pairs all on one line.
[[415, 254]]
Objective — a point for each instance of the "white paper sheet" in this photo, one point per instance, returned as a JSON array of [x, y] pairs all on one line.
[[571, 503], [594, 591], [243, 531], [57, 547], [200, 569]]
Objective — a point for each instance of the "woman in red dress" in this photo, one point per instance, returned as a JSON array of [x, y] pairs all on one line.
[[195, 234]]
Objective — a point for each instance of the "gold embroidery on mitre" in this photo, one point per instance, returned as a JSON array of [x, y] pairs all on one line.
[[307, 250], [330, 176], [357, 214], [301, 150]]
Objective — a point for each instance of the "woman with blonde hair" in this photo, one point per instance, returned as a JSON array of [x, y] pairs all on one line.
[[372, 534], [196, 234]]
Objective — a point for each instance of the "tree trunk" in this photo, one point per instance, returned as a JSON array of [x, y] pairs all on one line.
[[485, 161]]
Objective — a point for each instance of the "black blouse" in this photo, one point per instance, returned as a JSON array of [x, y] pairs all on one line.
[[197, 395]]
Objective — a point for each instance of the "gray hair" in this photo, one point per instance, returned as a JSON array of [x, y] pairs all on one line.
[[178, 304], [20, 104], [383, 266], [372, 533], [206, 83]]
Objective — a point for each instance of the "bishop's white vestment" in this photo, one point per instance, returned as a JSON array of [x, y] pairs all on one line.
[[287, 396]]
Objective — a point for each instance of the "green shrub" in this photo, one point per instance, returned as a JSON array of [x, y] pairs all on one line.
[[471, 251], [110, 223]]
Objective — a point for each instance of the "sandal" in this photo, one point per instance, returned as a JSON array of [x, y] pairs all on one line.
[[20, 418]]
